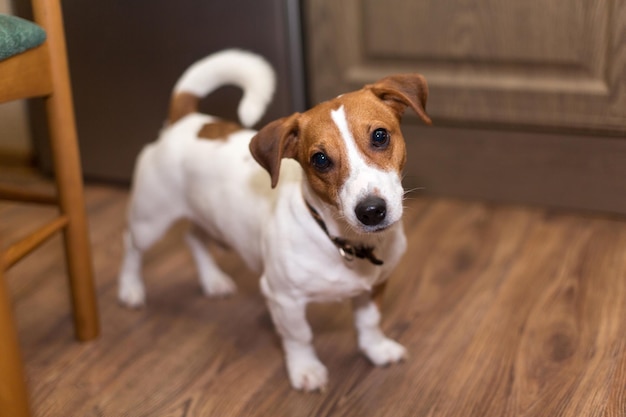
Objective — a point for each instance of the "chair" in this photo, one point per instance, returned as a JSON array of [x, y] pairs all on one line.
[[13, 396], [42, 71]]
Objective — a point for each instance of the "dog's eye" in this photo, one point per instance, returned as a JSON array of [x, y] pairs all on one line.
[[380, 138], [321, 162]]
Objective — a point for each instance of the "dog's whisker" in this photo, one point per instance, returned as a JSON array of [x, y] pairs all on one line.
[[414, 189]]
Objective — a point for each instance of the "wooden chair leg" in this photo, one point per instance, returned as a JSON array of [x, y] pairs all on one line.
[[13, 394], [66, 158], [78, 258]]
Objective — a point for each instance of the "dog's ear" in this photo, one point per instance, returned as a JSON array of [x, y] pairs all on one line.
[[275, 141], [400, 91]]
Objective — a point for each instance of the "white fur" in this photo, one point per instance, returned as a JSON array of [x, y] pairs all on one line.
[[249, 71], [379, 349], [220, 188], [365, 180]]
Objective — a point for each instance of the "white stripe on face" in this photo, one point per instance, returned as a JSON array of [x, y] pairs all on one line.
[[364, 180]]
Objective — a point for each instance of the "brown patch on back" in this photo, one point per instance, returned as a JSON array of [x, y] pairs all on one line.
[[218, 130], [181, 105]]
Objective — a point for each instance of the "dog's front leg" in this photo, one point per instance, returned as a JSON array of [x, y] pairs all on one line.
[[306, 372], [377, 347]]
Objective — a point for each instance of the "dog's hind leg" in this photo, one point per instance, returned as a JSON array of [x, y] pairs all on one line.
[[143, 231], [131, 290], [214, 281]]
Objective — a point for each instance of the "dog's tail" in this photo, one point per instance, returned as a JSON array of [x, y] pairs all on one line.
[[253, 74]]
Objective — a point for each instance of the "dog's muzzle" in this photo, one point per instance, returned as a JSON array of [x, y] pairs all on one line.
[[371, 211]]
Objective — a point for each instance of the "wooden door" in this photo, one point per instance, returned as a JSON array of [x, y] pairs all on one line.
[[528, 96]]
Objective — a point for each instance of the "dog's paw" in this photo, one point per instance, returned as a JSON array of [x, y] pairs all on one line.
[[131, 294], [308, 375], [219, 285], [384, 352]]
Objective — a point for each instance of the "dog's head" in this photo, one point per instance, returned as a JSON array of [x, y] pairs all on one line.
[[350, 148]]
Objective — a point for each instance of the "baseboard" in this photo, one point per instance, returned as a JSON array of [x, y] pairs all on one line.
[[569, 171]]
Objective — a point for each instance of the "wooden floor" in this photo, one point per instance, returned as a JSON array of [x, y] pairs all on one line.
[[505, 310]]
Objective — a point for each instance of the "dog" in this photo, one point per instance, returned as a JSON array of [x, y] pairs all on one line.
[[327, 228]]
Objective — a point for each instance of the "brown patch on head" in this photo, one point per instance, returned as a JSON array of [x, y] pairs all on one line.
[[319, 134], [402, 91], [374, 107], [181, 105], [302, 136], [275, 141], [218, 130], [367, 115]]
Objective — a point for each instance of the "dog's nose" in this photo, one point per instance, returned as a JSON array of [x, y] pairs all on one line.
[[371, 211]]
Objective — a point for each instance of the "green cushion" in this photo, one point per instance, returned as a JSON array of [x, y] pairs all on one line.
[[18, 35]]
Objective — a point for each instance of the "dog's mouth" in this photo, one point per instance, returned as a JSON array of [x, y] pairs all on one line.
[[373, 230]]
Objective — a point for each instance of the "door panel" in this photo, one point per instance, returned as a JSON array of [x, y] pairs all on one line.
[[528, 97], [550, 64]]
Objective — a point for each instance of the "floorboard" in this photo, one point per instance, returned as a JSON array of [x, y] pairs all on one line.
[[505, 310]]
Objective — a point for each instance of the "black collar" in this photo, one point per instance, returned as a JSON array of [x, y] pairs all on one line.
[[346, 250]]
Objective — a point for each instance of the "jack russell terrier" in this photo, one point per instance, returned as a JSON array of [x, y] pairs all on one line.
[[330, 229]]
